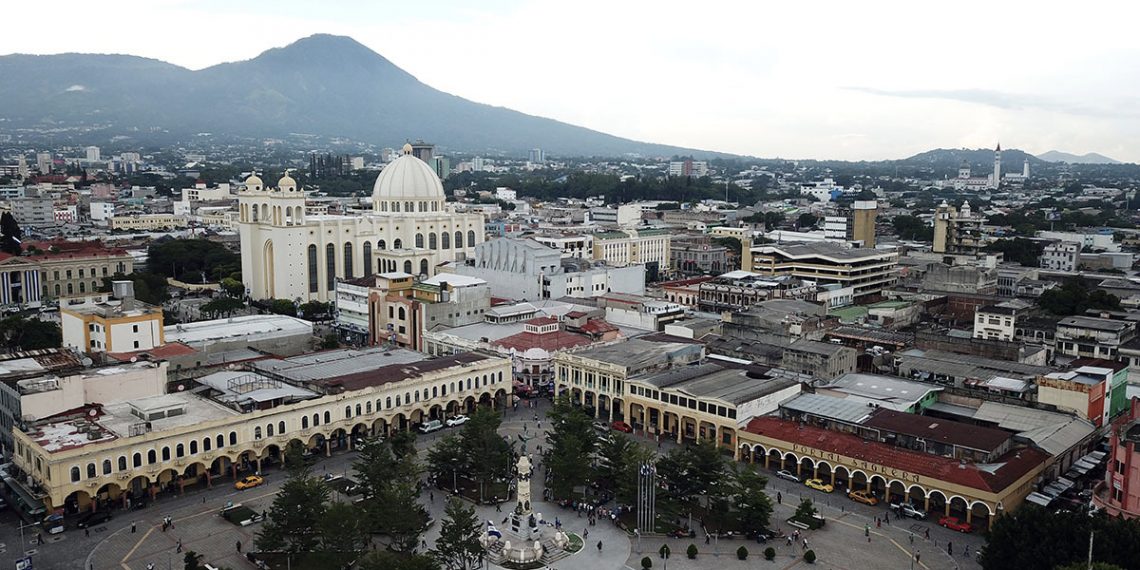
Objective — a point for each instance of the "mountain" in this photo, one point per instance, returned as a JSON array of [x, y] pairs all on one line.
[[1087, 158], [324, 85], [1011, 158]]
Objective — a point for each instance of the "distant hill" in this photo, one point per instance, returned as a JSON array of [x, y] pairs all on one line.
[[1087, 158], [324, 85], [1012, 159]]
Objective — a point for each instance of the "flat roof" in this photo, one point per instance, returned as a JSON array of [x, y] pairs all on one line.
[[636, 353], [334, 363], [962, 366], [1095, 323], [240, 387], [827, 250], [712, 381], [839, 409], [935, 429], [883, 388], [397, 372], [453, 279], [990, 477], [251, 327]]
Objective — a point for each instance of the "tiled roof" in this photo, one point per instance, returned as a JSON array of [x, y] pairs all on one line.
[[549, 342], [169, 350], [993, 477]]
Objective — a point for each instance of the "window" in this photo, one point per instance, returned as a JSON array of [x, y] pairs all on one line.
[[348, 260], [397, 244], [446, 237], [314, 279], [471, 239], [269, 430], [368, 407], [347, 412], [330, 267], [432, 241], [81, 274], [403, 314], [304, 422], [281, 428], [458, 240], [367, 258], [388, 402], [221, 441], [194, 447], [206, 443], [106, 466], [74, 474], [151, 457], [257, 432], [122, 463], [82, 287], [316, 420], [358, 409], [136, 460], [91, 471], [328, 417], [233, 438], [180, 450], [407, 267], [166, 454], [135, 328], [420, 241], [423, 267]]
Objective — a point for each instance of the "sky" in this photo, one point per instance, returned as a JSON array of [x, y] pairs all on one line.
[[821, 79]]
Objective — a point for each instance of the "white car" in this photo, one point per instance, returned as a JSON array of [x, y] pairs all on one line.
[[785, 474], [456, 420]]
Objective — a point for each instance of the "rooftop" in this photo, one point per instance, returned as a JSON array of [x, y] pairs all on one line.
[[250, 327], [992, 477], [637, 354], [711, 381], [396, 372], [830, 251], [241, 388], [903, 393], [933, 429], [838, 409], [1095, 324], [335, 363], [454, 280]]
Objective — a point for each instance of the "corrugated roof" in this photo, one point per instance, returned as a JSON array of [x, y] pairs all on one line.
[[839, 409]]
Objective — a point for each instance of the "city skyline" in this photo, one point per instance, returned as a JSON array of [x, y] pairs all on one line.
[[769, 81]]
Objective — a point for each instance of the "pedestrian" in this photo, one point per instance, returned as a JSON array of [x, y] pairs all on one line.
[[917, 556], [911, 537], [239, 547], [867, 531], [86, 531], [779, 497], [540, 425], [264, 515], [707, 538], [599, 546], [179, 549], [878, 523], [498, 507], [927, 534], [887, 517], [966, 553], [431, 495], [132, 528], [805, 544], [789, 537], [586, 533], [950, 548]]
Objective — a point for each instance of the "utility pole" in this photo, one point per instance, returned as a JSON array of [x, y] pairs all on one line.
[[646, 498], [1091, 533]]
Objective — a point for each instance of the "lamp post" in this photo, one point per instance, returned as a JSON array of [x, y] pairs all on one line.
[[647, 498]]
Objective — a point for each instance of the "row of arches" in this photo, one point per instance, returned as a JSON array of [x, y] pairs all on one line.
[[936, 502], [276, 214]]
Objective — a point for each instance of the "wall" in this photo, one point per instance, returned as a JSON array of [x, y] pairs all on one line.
[[123, 335], [104, 385], [764, 405]]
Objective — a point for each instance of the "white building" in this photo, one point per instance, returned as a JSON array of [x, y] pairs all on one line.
[[835, 228], [288, 254], [1061, 256], [1102, 241], [102, 212], [504, 193], [623, 215], [577, 246]]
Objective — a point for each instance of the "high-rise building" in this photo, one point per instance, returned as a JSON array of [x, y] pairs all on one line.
[[478, 164], [996, 182], [423, 151], [44, 162], [537, 156], [1025, 170], [865, 212], [92, 154], [22, 166], [958, 231], [689, 167], [442, 166]]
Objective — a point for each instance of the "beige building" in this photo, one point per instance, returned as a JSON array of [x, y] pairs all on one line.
[[864, 230], [119, 325], [115, 453], [629, 247], [76, 269], [867, 270], [147, 222]]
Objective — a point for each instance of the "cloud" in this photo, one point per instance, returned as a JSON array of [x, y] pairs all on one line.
[[76, 88], [998, 99]]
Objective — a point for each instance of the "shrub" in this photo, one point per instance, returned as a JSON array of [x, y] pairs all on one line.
[[691, 551], [769, 553], [809, 557], [646, 563], [742, 553], [664, 551]]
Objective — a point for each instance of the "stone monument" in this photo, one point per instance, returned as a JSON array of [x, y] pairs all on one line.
[[524, 521]]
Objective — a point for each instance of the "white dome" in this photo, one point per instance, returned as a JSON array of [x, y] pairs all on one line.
[[252, 181], [286, 182], [407, 179]]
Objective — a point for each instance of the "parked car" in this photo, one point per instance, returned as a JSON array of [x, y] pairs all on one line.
[[457, 420], [785, 474], [863, 497], [622, 427], [91, 519], [953, 523], [249, 482], [908, 510], [819, 485], [430, 426]]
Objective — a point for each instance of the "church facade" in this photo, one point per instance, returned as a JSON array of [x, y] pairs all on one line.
[[290, 253]]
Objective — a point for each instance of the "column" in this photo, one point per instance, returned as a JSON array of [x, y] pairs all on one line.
[[868, 485], [926, 503], [209, 480], [233, 470], [799, 468], [181, 486], [257, 461], [815, 471], [969, 515], [947, 507], [833, 477], [767, 459], [328, 448]]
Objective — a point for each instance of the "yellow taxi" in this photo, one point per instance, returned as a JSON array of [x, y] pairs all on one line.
[[248, 482], [863, 497], [819, 485]]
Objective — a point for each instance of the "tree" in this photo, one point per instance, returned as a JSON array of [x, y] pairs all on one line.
[[490, 455], [809, 557], [222, 306], [457, 547], [570, 445], [1016, 538], [693, 473], [315, 310], [297, 510], [1074, 298], [388, 477], [192, 560], [1026, 252], [343, 534], [233, 287], [19, 334], [646, 563], [691, 552], [447, 459], [387, 560], [805, 510], [193, 260], [10, 234], [806, 220], [616, 468], [149, 287], [282, 307], [912, 228], [754, 507]]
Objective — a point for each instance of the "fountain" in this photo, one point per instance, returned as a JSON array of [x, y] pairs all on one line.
[[520, 545]]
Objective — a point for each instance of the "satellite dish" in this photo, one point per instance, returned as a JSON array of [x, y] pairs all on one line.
[[92, 412], [134, 359], [181, 387], [86, 361]]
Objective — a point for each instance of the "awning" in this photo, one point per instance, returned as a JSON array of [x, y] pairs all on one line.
[[1039, 499], [31, 505], [1085, 463]]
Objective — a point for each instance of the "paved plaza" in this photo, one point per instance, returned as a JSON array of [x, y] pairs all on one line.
[[198, 526]]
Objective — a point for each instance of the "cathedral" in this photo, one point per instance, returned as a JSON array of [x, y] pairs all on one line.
[[289, 253]]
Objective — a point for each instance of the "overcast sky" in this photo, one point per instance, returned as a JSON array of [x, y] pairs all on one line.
[[821, 79]]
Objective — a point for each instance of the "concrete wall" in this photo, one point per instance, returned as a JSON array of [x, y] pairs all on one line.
[[764, 405]]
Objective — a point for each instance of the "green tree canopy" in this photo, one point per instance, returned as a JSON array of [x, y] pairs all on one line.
[[570, 446], [222, 306], [1016, 539], [297, 510], [193, 260], [10, 234], [1026, 252], [1074, 297], [457, 547], [18, 334], [912, 228], [753, 506]]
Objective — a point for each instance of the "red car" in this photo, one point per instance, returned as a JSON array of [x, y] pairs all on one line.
[[953, 523], [622, 427]]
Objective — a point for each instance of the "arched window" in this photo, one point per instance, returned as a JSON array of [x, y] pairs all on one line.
[[367, 258], [268, 430], [358, 409], [368, 406], [403, 315], [221, 441], [471, 238], [70, 289], [381, 245], [397, 400], [57, 289], [233, 438], [397, 244], [330, 267], [304, 422], [91, 471], [122, 463], [446, 240], [151, 457], [420, 241], [166, 454], [458, 240], [136, 460], [257, 432], [180, 450], [500, 376], [316, 420], [388, 402], [423, 267], [281, 428], [432, 241], [194, 447], [106, 466], [314, 278], [328, 417], [408, 266], [82, 287], [206, 443], [434, 391], [74, 474], [348, 260], [417, 395], [347, 412]]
